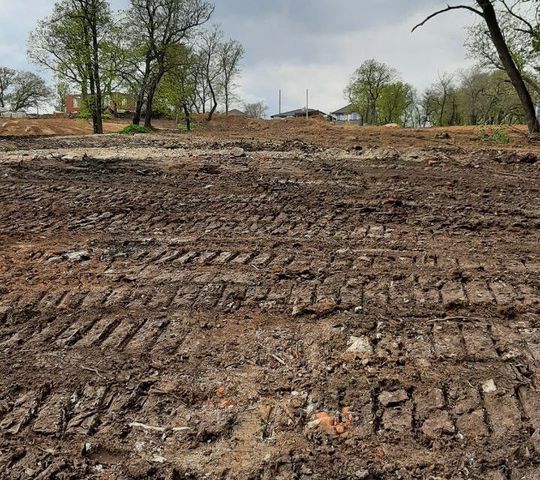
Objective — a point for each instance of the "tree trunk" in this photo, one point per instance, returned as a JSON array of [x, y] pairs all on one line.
[[187, 115], [142, 93], [150, 100], [214, 103], [149, 112], [98, 104], [509, 65], [138, 111]]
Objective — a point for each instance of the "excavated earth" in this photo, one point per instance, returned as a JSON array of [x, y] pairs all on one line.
[[210, 307]]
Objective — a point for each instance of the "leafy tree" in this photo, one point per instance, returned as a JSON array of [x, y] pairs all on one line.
[[7, 77], [378, 95], [153, 28], [28, 90], [70, 42], [394, 103], [366, 87], [176, 92]]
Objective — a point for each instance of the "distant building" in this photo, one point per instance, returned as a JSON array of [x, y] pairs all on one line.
[[9, 114], [346, 114], [299, 113], [118, 103], [236, 113], [73, 104]]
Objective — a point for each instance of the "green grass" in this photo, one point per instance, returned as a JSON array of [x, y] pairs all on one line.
[[497, 135], [133, 129]]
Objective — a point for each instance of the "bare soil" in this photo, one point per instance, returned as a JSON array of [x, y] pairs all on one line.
[[270, 300]]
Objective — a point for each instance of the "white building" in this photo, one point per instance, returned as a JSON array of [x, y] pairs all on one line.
[[346, 114]]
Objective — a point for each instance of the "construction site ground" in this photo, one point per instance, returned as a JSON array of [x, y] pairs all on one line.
[[270, 300]]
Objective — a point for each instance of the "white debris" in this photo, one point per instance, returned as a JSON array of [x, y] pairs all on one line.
[[489, 386], [360, 347]]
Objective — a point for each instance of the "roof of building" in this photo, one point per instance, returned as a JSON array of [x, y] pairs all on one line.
[[236, 112], [299, 112], [345, 110]]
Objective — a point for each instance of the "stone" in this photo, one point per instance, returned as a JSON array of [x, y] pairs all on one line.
[[238, 152], [489, 386], [79, 256], [360, 347], [389, 399]]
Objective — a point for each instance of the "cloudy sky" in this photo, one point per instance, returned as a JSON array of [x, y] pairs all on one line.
[[299, 44]]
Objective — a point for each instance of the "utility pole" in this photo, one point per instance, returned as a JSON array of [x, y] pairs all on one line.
[[307, 104], [280, 101]]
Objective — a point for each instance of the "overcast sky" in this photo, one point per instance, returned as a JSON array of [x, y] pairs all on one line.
[[299, 44]]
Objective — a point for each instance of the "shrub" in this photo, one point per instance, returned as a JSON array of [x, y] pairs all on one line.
[[497, 135], [133, 129]]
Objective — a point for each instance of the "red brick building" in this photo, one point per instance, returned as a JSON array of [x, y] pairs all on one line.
[[118, 103]]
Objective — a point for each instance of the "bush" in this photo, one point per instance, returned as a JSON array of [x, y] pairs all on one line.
[[497, 135], [133, 129]]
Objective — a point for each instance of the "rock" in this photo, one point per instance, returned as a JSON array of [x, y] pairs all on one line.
[[79, 256], [442, 136], [360, 347], [489, 386], [238, 152], [324, 306], [389, 399], [361, 474], [392, 125]]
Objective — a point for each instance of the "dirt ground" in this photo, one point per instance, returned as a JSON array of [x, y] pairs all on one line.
[[24, 127], [270, 300]]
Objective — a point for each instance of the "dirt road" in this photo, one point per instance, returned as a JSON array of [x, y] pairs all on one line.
[[184, 308]]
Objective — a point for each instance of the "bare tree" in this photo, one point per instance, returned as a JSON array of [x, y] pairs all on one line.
[[230, 54], [486, 10], [256, 110], [7, 76], [210, 45]]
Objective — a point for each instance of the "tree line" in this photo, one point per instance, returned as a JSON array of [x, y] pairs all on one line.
[[476, 96], [161, 52]]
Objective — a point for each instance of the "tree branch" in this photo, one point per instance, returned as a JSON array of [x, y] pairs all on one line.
[[511, 11], [447, 9]]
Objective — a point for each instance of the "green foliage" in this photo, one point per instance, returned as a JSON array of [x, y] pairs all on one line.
[[474, 97], [133, 129], [378, 95], [497, 134]]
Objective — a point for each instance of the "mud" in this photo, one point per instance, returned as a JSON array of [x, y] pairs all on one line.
[[172, 307]]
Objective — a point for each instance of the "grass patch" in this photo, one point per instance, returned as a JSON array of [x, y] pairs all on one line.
[[133, 129], [497, 135]]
